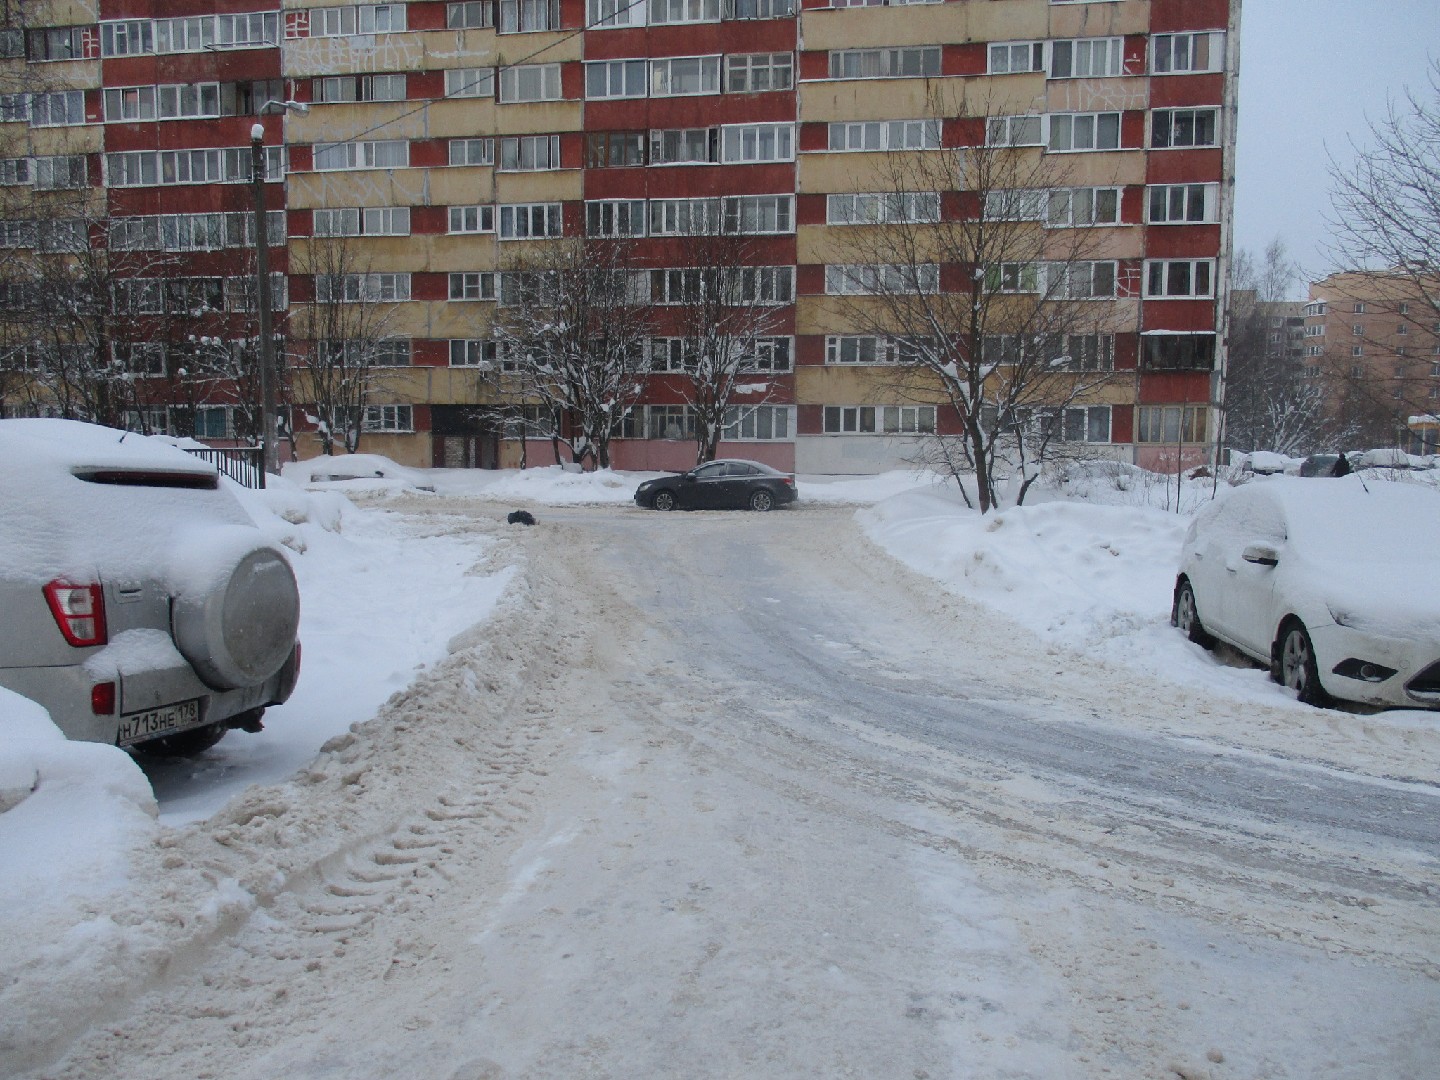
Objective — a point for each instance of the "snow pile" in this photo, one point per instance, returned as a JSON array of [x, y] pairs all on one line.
[[357, 472], [70, 815], [1074, 573], [549, 485]]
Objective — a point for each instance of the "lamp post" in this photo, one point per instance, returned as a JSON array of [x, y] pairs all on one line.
[[262, 300], [262, 285]]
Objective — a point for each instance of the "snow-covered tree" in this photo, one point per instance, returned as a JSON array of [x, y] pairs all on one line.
[[572, 327], [725, 354], [963, 262], [345, 323]]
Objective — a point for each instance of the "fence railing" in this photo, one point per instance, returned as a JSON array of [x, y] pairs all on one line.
[[243, 464]]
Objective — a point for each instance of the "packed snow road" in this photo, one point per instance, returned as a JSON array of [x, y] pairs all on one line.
[[734, 795]]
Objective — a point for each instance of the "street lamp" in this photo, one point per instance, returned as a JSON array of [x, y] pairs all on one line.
[[262, 286]]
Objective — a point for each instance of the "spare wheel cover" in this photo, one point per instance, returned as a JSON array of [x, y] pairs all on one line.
[[242, 630]]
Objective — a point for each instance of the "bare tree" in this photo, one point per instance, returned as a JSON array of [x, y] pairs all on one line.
[[1385, 240], [347, 351], [1273, 399], [727, 317], [572, 327], [965, 267]]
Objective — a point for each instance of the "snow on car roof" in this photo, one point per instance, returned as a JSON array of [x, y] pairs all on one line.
[[30, 443], [1350, 516]]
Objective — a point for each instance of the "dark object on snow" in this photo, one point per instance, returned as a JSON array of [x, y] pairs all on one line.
[[1342, 466], [522, 517]]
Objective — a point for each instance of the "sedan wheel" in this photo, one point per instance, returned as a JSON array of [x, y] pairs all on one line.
[[762, 501], [664, 500], [1187, 618], [1295, 665]]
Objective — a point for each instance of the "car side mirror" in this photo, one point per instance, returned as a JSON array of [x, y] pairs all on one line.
[[1261, 555], [688, 478]]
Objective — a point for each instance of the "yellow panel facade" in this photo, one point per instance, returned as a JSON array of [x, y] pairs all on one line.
[[1097, 20]]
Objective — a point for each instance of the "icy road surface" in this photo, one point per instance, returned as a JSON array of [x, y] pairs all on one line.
[[732, 795]]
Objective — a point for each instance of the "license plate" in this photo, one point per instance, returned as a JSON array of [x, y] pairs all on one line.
[[161, 721]]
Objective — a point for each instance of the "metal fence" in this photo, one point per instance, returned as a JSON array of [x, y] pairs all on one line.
[[243, 464]]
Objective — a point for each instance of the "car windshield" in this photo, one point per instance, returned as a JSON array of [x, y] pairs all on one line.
[[1391, 523]]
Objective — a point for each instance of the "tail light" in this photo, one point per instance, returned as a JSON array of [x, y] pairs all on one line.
[[79, 611], [102, 699]]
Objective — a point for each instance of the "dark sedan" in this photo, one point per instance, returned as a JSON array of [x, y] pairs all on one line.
[[719, 485]]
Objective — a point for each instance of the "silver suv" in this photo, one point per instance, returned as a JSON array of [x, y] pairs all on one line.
[[139, 603]]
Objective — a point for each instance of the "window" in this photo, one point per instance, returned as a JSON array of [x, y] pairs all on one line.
[[879, 279], [683, 11], [684, 76], [528, 221], [1173, 54], [473, 352], [1178, 352], [226, 165], [1170, 423], [1088, 424], [469, 82], [360, 288], [365, 19], [759, 214], [213, 422], [472, 15], [380, 154], [1013, 130], [193, 232], [675, 422], [1083, 206], [747, 143], [1183, 127], [14, 171], [341, 88], [886, 135], [879, 419], [685, 146], [609, 14], [614, 149], [132, 38], [472, 219], [385, 352], [1087, 58], [388, 418], [1013, 277], [363, 221], [1018, 204], [746, 285], [56, 43], [1014, 57], [530, 82], [472, 151], [1082, 280], [472, 285], [65, 107], [1359, 308], [1357, 350], [1084, 131], [759, 9], [615, 79], [258, 29], [872, 349], [684, 217], [869, 208], [618, 217], [1182, 204], [1358, 329], [885, 63], [758, 423], [756, 73], [60, 172], [524, 16], [1179, 278], [530, 153]]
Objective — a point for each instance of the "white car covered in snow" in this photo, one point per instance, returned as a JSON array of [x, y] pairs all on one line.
[[1335, 585], [139, 603]]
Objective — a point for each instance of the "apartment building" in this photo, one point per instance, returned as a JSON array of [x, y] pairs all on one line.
[[447, 142], [1373, 341]]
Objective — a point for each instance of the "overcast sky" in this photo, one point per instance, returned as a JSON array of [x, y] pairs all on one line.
[[1311, 72]]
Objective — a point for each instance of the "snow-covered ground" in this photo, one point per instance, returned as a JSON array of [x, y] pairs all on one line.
[[1087, 568]]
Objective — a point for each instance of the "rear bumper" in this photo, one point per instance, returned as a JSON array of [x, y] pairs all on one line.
[[65, 692]]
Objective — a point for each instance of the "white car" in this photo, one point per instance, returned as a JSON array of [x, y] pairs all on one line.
[[1334, 583], [139, 603]]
